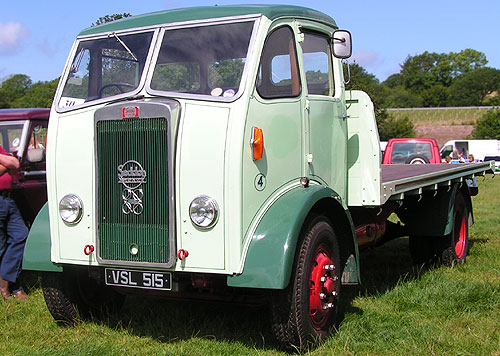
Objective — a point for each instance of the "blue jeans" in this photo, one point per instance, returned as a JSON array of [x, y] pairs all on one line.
[[13, 235]]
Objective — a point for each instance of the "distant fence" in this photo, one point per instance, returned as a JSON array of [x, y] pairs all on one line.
[[446, 108]]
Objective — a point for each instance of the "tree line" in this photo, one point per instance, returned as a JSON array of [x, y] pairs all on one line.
[[434, 80]]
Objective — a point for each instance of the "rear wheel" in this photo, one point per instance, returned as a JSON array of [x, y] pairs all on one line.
[[305, 311], [457, 243], [71, 295]]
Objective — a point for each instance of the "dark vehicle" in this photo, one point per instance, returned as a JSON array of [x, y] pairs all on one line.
[[23, 133], [497, 162]]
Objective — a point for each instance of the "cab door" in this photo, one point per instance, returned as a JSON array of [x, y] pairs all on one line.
[[325, 113], [276, 108]]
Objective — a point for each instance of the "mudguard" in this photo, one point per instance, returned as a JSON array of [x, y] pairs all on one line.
[[271, 253], [37, 249], [434, 216]]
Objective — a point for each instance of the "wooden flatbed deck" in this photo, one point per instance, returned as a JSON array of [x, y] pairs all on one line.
[[401, 179]]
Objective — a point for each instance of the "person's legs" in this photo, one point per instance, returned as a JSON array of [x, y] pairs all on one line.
[[4, 214], [17, 232]]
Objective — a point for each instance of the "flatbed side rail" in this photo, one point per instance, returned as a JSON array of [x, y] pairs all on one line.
[[401, 180]]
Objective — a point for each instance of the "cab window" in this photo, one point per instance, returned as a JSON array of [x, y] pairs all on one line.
[[278, 75], [317, 64]]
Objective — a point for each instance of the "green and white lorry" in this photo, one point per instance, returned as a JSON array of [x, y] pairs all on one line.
[[214, 152]]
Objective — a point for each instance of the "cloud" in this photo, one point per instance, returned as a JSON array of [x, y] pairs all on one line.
[[367, 59], [11, 36], [375, 64]]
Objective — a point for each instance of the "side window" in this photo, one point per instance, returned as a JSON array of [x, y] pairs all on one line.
[[317, 64], [37, 141], [278, 75]]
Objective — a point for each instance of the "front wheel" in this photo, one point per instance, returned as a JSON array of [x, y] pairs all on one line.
[[71, 295], [306, 310]]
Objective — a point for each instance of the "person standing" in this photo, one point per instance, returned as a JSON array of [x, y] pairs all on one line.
[[13, 232]]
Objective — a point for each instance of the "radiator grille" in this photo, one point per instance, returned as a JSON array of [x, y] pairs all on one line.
[[132, 188]]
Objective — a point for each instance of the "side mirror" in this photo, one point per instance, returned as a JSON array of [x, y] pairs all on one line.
[[342, 44], [35, 155]]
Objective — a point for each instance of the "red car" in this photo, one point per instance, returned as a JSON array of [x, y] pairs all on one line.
[[411, 151], [23, 133]]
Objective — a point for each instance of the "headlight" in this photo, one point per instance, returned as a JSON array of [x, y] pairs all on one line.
[[71, 209], [203, 211]]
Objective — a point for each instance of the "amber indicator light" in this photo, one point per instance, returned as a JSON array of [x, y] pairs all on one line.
[[257, 143]]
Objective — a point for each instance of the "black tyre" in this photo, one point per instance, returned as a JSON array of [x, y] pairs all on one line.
[[417, 159], [456, 245], [448, 250], [306, 310], [71, 295]]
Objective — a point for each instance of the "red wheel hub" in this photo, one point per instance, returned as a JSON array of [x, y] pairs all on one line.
[[322, 282], [460, 239]]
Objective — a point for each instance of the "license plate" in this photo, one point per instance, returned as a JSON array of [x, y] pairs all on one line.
[[138, 279]]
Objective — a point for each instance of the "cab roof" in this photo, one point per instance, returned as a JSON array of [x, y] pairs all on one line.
[[208, 12], [24, 114]]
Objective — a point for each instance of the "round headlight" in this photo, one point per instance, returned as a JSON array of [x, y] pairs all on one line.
[[203, 211], [71, 209]]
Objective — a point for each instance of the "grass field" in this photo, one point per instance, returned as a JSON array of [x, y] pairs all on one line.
[[448, 116], [443, 311]]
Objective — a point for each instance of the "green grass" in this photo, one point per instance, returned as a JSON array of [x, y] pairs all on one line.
[[443, 311], [430, 117]]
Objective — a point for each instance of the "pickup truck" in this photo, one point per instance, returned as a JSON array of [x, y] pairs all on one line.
[[411, 151], [23, 133], [214, 152]]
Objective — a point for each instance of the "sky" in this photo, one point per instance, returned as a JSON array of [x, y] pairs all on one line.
[[36, 36]]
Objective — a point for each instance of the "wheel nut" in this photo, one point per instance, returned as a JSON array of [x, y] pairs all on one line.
[[327, 306], [322, 296], [329, 267], [334, 294], [323, 279]]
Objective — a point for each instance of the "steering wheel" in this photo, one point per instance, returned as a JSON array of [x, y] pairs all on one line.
[[119, 86]]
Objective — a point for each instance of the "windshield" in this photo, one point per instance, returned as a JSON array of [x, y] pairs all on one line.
[[402, 151], [106, 67], [206, 60]]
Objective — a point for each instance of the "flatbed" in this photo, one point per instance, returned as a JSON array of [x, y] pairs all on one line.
[[401, 179]]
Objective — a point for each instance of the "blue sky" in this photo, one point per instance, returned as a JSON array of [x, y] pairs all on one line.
[[36, 36]]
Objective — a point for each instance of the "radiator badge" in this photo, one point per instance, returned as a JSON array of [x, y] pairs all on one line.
[[132, 176]]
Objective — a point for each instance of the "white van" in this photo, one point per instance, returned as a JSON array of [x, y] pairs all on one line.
[[478, 148]]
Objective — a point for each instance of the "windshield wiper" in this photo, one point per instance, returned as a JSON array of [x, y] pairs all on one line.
[[124, 46]]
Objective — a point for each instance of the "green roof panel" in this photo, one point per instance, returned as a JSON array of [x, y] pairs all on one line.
[[207, 12]]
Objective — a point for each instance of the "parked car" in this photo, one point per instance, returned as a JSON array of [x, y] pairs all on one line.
[[411, 151], [23, 133], [497, 162]]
